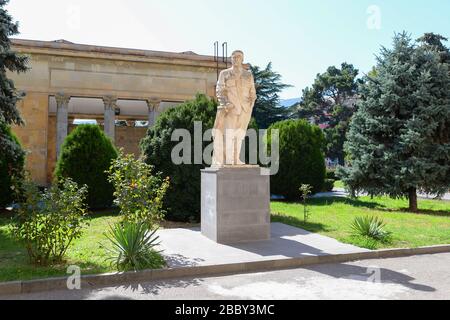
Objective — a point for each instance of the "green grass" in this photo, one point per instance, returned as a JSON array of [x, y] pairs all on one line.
[[333, 217], [85, 253], [329, 216], [339, 184]]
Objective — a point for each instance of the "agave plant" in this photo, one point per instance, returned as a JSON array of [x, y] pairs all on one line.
[[133, 247], [372, 227]]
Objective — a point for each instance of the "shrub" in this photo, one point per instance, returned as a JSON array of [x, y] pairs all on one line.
[[371, 227], [328, 185], [305, 192], [11, 165], [133, 247], [183, 197], [331, 174], [138, 193], [301, 158], [85, 156], [48, 223]]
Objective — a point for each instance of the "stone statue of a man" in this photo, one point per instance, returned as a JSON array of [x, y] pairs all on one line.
[[236, 94]]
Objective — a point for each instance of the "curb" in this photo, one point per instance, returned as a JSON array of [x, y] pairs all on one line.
[[112, 279]]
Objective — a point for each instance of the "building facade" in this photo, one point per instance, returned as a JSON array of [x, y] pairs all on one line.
[[122, 90]]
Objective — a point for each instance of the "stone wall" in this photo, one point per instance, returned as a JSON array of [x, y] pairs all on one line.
[[33, 136], [129, 139]]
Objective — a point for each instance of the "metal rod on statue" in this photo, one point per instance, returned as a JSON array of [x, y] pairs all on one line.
[[216, 57], [225, 53]]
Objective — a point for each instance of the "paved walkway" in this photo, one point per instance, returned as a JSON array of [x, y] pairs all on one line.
[[188, 247], [339, 192], [399, 278]]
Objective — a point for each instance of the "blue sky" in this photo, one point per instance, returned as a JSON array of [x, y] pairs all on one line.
[[301, 38]]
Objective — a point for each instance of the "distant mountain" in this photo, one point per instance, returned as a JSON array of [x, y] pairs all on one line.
[[289, 102]]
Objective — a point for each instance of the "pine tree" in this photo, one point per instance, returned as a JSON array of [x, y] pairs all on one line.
[[9, 60], [331, 101], [433, 41], [399, 139], [268, 87]]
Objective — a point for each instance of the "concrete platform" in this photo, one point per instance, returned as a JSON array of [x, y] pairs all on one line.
[[235, 204], [188, 247]]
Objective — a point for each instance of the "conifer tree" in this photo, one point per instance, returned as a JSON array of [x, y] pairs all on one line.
[[9, 60], [399, 139], [268, 88]]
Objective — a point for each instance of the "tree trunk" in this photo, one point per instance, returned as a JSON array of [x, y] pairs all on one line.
[[413, 200]]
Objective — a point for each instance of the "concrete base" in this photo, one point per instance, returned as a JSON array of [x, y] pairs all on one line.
[[188, 247], [235, 204]]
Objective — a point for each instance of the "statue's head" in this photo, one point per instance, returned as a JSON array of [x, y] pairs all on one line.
[[237, 58]]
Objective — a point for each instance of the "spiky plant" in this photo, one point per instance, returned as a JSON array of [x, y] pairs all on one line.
[[372, 227], [133, 247]]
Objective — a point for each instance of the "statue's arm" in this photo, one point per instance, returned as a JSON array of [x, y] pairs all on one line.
[[221, 90]]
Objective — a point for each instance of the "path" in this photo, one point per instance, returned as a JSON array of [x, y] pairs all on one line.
[[399, 278], [339, 192]]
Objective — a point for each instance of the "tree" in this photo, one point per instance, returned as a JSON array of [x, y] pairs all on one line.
[[432, 41], [301, 158], [86, 155], [330, 101], [268, 87], [11, 167], [399, 139], [9, 60], [183, 196]]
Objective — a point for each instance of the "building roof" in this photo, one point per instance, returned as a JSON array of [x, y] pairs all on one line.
[[67, 48]]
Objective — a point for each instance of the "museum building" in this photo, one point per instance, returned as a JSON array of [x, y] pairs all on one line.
[[122, 90]]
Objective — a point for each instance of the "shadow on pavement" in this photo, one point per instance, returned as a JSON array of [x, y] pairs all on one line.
[[155, 287], [178, 261], [368, 274], [298, 246]]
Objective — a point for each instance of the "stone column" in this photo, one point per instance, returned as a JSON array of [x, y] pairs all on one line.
[[110, 116], [153, 106], [62, 120]]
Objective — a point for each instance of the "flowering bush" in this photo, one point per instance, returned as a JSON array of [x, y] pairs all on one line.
[[138, 192]]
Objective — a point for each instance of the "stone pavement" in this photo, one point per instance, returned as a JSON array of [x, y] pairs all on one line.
[[187, 247], [399, 278]]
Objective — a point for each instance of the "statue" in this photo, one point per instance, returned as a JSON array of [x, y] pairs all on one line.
[[236, 94]]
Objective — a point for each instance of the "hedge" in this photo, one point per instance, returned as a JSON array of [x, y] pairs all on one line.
[[301, 158], [85, 156]]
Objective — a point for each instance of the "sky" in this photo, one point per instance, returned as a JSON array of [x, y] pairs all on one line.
[[301, 38]]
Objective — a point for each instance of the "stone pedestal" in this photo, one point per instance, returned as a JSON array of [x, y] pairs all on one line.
[[236, 204]]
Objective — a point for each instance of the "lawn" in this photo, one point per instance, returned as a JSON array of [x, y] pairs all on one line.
[[333, 217], [85, 252], [329, 216], [339, 184]]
